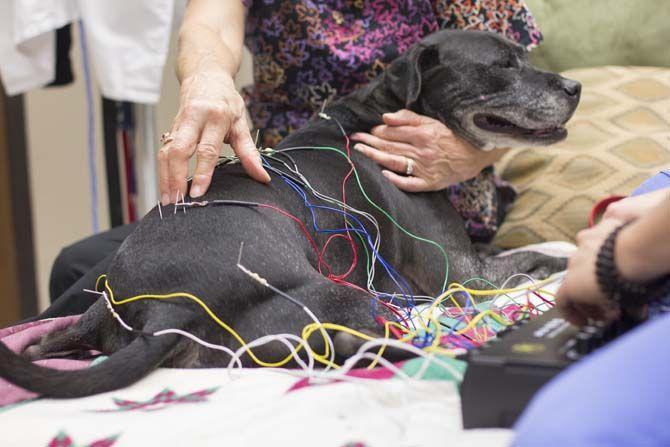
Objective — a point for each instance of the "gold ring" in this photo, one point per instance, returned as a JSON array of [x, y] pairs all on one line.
[[166, 138], [410, 166]]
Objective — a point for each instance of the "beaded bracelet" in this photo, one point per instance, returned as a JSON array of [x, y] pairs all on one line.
[[617, 288]]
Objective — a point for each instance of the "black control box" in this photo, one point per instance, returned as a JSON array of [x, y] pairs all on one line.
[[504, 373]]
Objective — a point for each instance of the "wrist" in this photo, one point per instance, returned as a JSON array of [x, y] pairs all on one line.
[[629, 261], [210, 70], [202, 51], [213, 77], [639, 258], [640, 286]]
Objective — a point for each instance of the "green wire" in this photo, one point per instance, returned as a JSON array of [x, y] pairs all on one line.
[[408, 233], [360, 237], [485, 281]]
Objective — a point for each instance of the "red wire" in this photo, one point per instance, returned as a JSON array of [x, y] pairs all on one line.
[[531, 306], [348, 236], [353, 250], [302, 228], [394, 330], [543, 299], [341, 278], [320, 260]]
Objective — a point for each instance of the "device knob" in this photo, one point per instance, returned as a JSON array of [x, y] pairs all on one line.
[[596, 335], [504, 331], [583, 343], [614, 329]]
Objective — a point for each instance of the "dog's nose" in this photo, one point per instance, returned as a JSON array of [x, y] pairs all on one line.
[[571, 88]]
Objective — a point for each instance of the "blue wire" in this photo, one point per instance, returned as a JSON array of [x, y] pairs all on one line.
[[404, 288], [343, 230], [92, 163], [395, 276]]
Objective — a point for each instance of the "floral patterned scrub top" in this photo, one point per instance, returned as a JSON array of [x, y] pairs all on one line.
[[309, 51]]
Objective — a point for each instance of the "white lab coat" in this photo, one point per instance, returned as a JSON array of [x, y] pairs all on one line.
[[127, 41]]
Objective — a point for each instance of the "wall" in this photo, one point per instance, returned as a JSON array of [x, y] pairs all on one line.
[[59, 178]]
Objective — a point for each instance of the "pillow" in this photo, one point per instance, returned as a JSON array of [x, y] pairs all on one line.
[[592, 33], [618, 137]]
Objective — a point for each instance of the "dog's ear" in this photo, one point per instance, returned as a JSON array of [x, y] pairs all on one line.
[[406, 73]]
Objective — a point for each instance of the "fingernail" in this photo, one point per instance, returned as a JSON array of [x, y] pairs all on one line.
[[356, 136], [359, 147], [165, 199], [196, 191], [386, 174]]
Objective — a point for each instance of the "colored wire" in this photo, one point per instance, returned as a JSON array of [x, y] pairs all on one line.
[[308, 330], [428, 342], [380, 209], [329, 346]]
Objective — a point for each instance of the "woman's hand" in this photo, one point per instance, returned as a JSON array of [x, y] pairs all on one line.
[[580, 297], [631, 208], [438, 156], [211, 112]]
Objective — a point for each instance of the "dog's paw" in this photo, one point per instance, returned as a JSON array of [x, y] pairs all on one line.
[[547, 266]]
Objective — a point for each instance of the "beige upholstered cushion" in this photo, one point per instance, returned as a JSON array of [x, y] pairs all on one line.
[[618, 137]]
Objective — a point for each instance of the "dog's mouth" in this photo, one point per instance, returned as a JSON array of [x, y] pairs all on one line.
[[497, 124]]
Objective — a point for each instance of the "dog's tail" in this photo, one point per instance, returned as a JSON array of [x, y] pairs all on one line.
[[128, 365]]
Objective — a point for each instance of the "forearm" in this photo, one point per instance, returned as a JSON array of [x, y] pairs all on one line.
[[642, 250], [211, 37]]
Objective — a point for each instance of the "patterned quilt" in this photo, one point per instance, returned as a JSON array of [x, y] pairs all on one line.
[[246, 407]]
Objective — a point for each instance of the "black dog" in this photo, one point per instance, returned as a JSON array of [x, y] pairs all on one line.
[[478, 84]]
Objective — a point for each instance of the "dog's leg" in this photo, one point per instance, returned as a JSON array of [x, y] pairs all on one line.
[[485, 250], [498, 268], [77, 339], [330, 303]]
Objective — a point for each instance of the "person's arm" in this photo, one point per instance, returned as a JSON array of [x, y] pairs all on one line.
[[642, 249], [210, 38], [211, 110], [642, 253]]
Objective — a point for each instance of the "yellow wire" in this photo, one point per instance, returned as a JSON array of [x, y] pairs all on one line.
[[481, 315], [313, 327], [307, 331], [204, 306], [501, 291]]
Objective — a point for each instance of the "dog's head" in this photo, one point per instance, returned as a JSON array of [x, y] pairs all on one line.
[[483, 88]]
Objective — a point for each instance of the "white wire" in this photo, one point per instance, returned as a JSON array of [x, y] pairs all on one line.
[[111, 309], [377, 238], [404, 346], [553, 278], [307, 370], [328, 199], [264, 282], [362, 352], [283, 338], [324, 332], [199, 341]]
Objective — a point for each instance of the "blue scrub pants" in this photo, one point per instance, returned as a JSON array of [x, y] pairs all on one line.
[[614, 397]]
